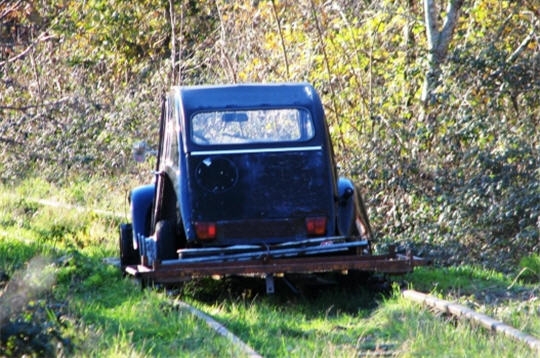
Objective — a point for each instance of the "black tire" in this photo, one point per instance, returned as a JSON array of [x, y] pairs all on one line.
[[128, 255], [166, 240]]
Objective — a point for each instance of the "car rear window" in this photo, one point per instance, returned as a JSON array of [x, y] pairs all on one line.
[[252, 126]]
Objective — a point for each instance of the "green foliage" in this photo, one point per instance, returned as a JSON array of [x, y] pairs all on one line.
[[457, 180], [530, 266], [117, 35], [461, 280]]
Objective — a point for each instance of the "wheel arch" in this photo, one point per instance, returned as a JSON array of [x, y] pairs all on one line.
[[141, 200], [352, 218]]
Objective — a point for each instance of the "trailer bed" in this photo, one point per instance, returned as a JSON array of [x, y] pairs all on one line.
[[170, 271]]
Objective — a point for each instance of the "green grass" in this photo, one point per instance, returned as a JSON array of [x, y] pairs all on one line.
[[100, 313], [509, 298], [140, 323], [90, 304], [93, 193], [530, 268], [327, 327]]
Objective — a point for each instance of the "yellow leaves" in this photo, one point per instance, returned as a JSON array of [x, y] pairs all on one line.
[[251, 72], [271, 41]]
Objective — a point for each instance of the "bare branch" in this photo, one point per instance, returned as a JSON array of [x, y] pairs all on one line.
[[9, 141], [534, 9], [41, 38], [282, 39], [222, 42], [452, 14], [25, 108], [327, 65], [523, 45], [5, 12]]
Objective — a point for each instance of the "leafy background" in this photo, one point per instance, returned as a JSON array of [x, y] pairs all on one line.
[[457, 179]]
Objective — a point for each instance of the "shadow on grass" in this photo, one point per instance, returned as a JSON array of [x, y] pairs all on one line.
[[311, 293]]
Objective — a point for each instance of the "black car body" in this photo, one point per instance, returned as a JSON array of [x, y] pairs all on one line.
[[245, 174]]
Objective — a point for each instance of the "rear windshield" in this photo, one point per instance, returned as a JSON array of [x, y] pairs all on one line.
[[252, 126]]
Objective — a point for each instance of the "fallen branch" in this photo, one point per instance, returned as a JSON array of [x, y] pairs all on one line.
[[219, 328], [461, 311]]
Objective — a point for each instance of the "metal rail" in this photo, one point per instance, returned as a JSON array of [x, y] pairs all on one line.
[[253, 252]]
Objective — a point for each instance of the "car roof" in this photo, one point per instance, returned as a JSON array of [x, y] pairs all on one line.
[[207, 97]]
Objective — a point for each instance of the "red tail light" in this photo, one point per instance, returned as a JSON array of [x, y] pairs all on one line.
[[205, 230], [316, 226]]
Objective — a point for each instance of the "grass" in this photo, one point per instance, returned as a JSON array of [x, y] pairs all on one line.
[[97, 312], [530, 268], [137, 323], [343, 324], [510, 299]]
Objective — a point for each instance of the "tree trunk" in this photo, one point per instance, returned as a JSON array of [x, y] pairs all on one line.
[[438, 41]]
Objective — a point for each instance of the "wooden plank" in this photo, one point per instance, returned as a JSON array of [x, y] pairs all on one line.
[[220, 329], [483, 320]]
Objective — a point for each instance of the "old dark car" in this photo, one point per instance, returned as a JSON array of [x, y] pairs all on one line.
[[246, 182]]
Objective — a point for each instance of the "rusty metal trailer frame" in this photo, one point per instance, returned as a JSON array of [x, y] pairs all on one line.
[[172, 271]]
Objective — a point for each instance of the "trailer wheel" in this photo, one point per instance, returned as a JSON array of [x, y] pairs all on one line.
[[166, 240], [128, 255]]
